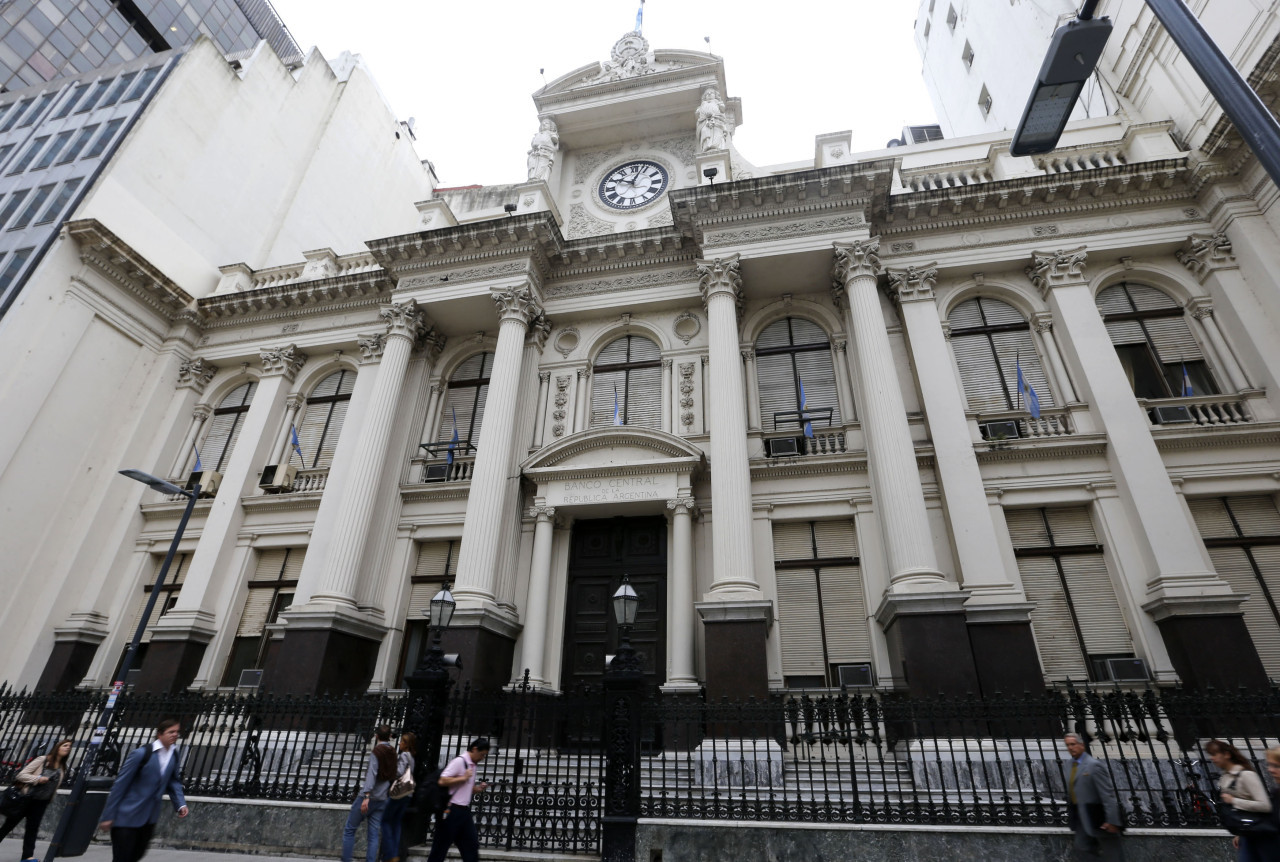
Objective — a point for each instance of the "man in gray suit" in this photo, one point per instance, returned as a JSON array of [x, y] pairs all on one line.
[[1094, 813], [133, 806]]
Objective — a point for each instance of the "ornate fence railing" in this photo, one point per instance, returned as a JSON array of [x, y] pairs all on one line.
[[837, 757]]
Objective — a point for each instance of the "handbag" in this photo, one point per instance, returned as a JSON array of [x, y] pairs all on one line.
[[1248, 823], [402, 786], [13, 802]]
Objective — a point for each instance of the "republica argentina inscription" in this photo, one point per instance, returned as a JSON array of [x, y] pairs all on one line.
[[612, 489]]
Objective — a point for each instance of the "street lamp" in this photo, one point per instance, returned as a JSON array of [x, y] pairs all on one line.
[[439, 615], [625, 606], [107, 718]]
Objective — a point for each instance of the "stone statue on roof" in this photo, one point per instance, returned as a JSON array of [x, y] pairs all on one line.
[[713, 124], [542, 150]]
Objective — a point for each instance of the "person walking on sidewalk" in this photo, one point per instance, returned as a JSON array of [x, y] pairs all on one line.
[[372, 798], [393, 816], [133, 806], [40, 778], [1094, 813], [456, 825], [1241, 787]]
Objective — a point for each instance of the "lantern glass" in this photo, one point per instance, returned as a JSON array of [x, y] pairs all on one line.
[[625, 605], [442, 606]]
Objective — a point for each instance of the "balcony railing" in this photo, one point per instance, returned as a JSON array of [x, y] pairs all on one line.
[[309, 480], [435, 470], [1019, 424], [798, 446], [1197, 410]]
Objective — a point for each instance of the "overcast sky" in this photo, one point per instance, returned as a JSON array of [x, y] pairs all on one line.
[[466, 70]]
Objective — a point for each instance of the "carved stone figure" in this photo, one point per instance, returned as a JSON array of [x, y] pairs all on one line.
[[542, 151], [713, 125]]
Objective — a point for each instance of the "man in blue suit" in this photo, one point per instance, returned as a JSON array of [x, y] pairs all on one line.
[[133, 805]]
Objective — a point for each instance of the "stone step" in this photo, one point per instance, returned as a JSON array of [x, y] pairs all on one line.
[[490, 855]]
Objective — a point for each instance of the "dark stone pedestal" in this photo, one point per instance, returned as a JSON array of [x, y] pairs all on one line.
[[320, 661], [736, 661], [169, 666], [68, 663], [929, 643], [1213, 651], [1005, 657], [486, 644]]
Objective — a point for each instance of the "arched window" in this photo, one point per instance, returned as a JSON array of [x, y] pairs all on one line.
[[990, 340], [1154, 343], [224, 427], [791, 353], [322, 423], [464, 402], [628, 374]]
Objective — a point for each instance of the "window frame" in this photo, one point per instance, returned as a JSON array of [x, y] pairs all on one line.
[[626, 367]]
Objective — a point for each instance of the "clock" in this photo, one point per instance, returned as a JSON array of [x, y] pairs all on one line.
[[633, 185]]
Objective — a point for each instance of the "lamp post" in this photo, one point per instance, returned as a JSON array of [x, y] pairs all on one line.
[[623, 678], [429, 686], [107, 718]]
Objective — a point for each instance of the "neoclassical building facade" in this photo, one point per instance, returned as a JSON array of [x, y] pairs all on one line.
[[933, 418]]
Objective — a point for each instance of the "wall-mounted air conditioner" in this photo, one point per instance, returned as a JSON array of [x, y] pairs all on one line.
[[208, 481], [855, 675], [1127, 670], [435, 473], [1000, 431], [1172, 414], [277, 477], [250, 679], [782, 447]]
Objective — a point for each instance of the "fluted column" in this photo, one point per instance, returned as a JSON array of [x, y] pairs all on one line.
[[753, 391], [534, 637], [291, 406], [667, 419], [840, 362], [186, 455], [1043, 323], [478, 557], [891, 457], [540, 425], [405, 325], [582, 401], [733, 569], [680, 637], [1202, 310]]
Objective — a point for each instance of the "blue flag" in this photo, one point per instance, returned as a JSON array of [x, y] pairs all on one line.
[[1187, 391], [640, 17], [1025, 389], [297, 447], [453, 441], [617, 417], [197, 468], [804, 417]]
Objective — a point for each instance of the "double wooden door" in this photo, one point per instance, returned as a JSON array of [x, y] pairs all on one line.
[[600, 554]]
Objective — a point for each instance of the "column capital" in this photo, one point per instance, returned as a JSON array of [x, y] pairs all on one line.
[[748, 354], [912, 284], [722, 275], [202, 412], [840, 343], [518, 302], [195, 374], [543, 513], [371, 347], [853, 259], [539, 329], [689, 504], [1203, 253], [294, 400], [1049, 269], [544, 376], [1042, 321], [286, 361], [404, 319]]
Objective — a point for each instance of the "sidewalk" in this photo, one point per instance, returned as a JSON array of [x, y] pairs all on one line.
[[101, 852]]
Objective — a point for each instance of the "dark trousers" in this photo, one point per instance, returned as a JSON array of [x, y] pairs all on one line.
[[130, 843], [457, 827], [1086, 847], [33, 814]]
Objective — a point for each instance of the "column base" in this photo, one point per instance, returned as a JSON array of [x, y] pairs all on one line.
[[929, 642], [67, 664], [737, 665], [323, 651], [1004, 648], [1208, 642], [170, 665], [485, 641]]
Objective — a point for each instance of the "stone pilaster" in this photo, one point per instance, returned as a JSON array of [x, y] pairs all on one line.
[[534, 618], [1042, 322], [680, 631]]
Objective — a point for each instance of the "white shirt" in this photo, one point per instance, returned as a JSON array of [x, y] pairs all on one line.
[[165, 754]]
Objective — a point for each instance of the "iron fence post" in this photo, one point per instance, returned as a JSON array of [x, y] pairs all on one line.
[[621, 734], [425, 717]]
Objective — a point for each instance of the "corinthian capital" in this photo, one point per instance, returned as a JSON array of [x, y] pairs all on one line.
[[195, 374], [282, 360], [371, 346], [404, 319], [539, 329], [517, 303], [1202, 253], [913, 284], [1050, 268], [720, 276], [852, 260]]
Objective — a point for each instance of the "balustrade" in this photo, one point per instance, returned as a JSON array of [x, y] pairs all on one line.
[[1197, 410]]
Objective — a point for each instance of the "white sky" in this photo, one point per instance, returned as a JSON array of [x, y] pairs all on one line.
[[466, 69]]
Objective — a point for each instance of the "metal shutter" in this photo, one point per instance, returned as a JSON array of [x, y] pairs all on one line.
[[979, 374], [1147, 298], [177, 572], [844, 613], [775, 381], [1125, 332], [644, 397], [1212, 518], [998, 313], [792, 541], [224, 430], [436, 563], [776, 334], [965, 314], [257, 609], [1232, 565], [798, 628], [606, 386], [1026, 528], [1094, 599], [461, 402], [1113, 300], [1173, 340], [836, 539], [1071, 526], [1018, 347], [818, 374], [293, 565], [1257, 516], [1051, 623], [614, 353], [322, 423]]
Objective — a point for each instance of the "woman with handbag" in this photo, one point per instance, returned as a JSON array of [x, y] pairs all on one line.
[[371, 801], [401, 793], [1246, 808], [40, 779]]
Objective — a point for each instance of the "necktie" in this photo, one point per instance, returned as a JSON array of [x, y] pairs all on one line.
[[1071, 786]]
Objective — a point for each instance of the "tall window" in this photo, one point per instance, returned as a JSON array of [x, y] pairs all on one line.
[[822, 612], [791, 353], [628, 374], [322, 423], [1152, 339], [437, 563], [990, 340], [1243, 537], [164, 603], [1077, 621], [270, 594], [224, 427], [464, 402]]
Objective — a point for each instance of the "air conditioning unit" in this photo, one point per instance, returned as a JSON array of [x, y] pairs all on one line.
[[1000, 431], [1172, 414], [855, 675], [277, 477], [1127, 670], [782, 447], [208, 481], [250, 679], [435, 473]]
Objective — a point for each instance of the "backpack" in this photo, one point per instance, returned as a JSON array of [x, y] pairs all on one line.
[[432, 798]]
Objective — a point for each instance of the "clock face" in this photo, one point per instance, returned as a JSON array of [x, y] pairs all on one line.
[[632, 185]]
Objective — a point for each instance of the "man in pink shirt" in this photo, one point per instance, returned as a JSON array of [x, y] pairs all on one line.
[[457, 826]]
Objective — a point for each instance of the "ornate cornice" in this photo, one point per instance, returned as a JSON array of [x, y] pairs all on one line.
[[519, 302], [1204, 253], [113, 258], [195, 374], [1049, 269], [720, 276], [310, 297], [285, 360], [912, 284]]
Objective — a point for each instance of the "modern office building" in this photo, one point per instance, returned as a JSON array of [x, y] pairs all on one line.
[[42, 40], [929, 418]]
